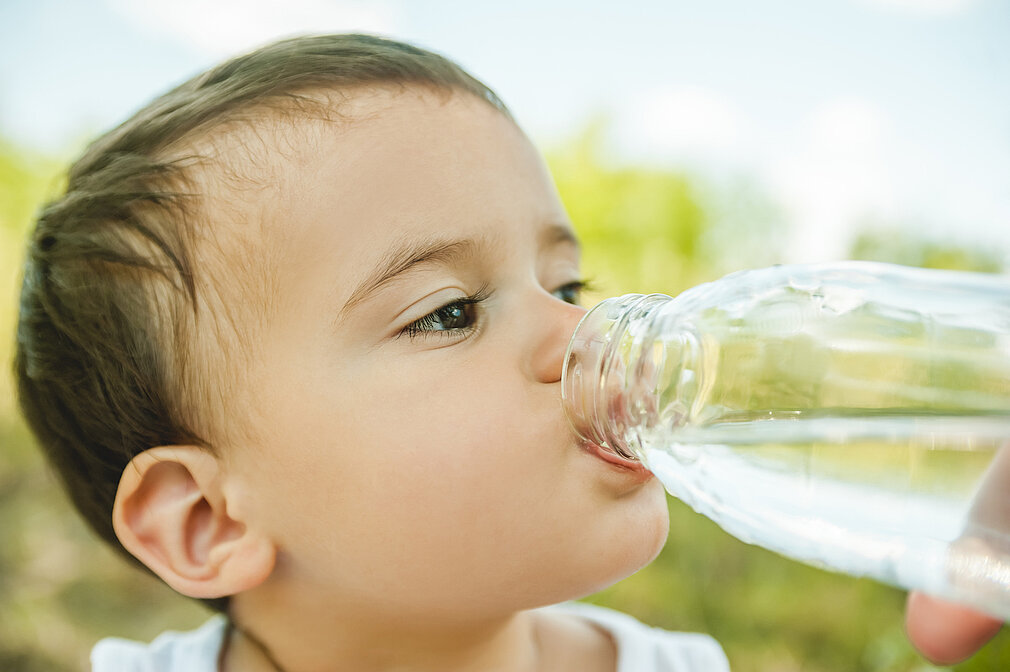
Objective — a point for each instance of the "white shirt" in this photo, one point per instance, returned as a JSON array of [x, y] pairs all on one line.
[[640, 648]]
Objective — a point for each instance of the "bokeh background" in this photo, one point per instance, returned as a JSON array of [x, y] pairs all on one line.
[[688, 140]]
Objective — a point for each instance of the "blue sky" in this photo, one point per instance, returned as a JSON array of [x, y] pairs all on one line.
[[843, 110]]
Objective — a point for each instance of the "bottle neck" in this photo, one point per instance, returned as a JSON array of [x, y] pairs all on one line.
[[629, 368]]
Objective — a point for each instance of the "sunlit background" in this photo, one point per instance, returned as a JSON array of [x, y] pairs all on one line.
[[688, 139]]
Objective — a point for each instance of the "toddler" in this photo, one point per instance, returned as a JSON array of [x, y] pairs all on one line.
[[293, 340]]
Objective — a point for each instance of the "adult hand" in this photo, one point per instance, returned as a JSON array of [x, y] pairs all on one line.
[[946, 633]]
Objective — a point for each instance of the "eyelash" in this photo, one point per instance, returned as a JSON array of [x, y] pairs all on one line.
[[578, 287], [423, 327]]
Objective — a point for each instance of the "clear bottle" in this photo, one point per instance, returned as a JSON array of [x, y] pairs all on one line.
[[855, 416]]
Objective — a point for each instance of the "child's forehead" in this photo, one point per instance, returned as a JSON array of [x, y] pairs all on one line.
[[357, 170], [251, 169], [375, 145], [256, 138], [278, 147]]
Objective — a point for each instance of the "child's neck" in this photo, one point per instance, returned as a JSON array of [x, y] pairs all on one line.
[[531, 641]]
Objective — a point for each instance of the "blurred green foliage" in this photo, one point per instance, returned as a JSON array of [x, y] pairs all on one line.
[[880, 242], [643, 229], [656, 230]]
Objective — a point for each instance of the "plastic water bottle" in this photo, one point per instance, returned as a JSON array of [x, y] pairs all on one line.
[[855, 416]]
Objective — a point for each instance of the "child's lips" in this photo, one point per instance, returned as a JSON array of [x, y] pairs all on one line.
[[633, 467]]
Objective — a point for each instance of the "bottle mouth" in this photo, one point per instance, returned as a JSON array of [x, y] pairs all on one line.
[[600, 399]]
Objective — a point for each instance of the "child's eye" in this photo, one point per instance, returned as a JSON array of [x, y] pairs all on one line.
[[450, 317], [457, 317], [572, 292]]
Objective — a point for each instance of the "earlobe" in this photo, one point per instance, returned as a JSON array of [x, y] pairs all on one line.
[[170, 512]]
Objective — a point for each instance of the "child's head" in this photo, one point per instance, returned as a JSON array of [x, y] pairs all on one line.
[[298, 327]]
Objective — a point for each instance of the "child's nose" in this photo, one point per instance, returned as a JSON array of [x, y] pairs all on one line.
[[559, 324]]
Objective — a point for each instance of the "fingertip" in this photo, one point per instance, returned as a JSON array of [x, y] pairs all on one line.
[[946, 633]]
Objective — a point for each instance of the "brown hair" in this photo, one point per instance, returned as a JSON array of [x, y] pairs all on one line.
[[110, 288]]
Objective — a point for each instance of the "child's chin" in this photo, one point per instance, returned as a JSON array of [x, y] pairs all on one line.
[[651, 531], [656, 531], [640, 544]]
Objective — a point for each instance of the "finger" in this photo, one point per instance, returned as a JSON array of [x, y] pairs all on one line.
[[946, 633]]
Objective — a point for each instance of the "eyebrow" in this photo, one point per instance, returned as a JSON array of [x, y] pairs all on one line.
[[557, 234], [439, 251]]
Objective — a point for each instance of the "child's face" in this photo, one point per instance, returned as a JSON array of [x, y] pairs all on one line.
[[412, 452]]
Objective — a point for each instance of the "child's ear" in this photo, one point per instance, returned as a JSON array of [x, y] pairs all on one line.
[[170, 512]]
